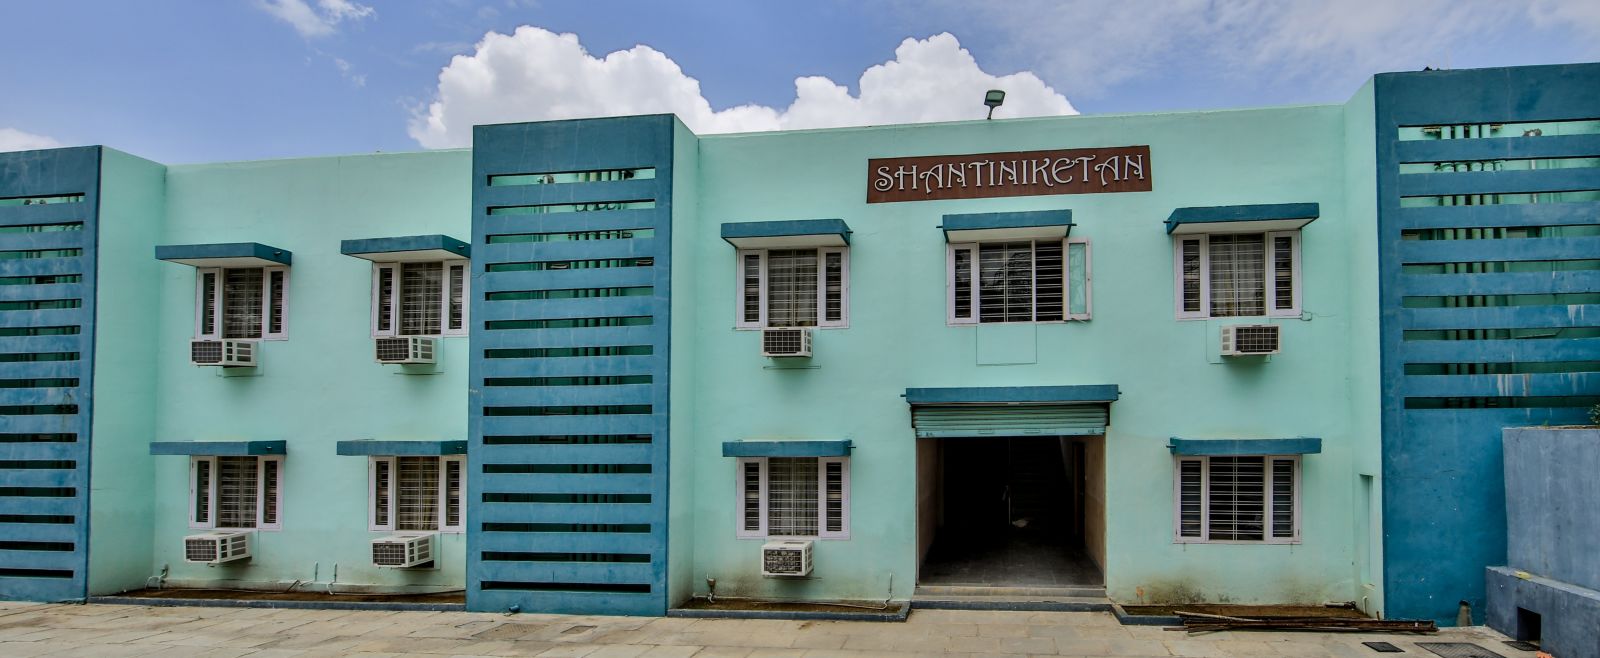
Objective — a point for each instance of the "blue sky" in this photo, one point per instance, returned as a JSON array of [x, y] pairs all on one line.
[[244, 79]]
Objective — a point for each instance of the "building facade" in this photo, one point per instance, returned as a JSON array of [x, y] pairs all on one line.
[[1187, 357]]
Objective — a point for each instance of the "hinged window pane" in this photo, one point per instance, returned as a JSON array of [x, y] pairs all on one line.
[[457, 292], [237, 481], [1283, 498], [241, 302], [1191, 275], [1190, 496], [833, 286], [385, 300], [452, 492], [381, 503], [1237, 505], [750, 274], [750, 492], [417, 493], [421, 295], [962, 283], [269, 491], [202, 491], [792, 288], [1238, 275], [277, 280], [792, 496], [833, 498], [1283, 272]]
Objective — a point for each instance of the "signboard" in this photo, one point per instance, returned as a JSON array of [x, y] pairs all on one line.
[[1019, 173]]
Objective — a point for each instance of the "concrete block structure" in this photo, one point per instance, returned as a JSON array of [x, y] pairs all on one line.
[[592, 366], [1549, 589]]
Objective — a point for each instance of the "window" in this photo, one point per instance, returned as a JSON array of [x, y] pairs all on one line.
[[794, 497], [1021, 281], [1237, 499], [241, 302], [415, 494], [794, 288], [419, 299], [1228, 275], [235, 493]]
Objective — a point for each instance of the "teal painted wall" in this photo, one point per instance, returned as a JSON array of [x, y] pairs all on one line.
[[1171, 380], [321, 385], [1361, 199], [687, 232], [121, 508]]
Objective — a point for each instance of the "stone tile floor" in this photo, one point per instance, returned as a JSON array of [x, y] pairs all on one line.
[[117, 631]]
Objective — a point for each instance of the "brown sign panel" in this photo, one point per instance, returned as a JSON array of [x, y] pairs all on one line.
[[1019, 173]]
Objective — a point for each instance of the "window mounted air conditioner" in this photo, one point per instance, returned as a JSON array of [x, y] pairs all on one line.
[[786, 558], [1250, 340], [216, 547], [404, 350], [401, 551], [225, 353], [786, 342]]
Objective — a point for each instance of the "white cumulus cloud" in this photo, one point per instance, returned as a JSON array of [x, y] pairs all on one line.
[[534, 74], [319, 21], [12, 139]]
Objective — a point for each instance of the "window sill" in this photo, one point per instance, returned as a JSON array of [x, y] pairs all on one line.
[[789, 538], [737, 328], [1236, 542], [1242, 318]]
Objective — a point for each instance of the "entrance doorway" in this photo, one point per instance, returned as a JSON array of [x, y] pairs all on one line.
[[1011, 512]]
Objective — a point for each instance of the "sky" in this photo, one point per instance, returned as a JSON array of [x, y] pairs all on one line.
[[217, 80]]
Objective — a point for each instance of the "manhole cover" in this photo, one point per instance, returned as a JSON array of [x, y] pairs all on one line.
[[1521, 645], [1383, 647], [1458, 650]]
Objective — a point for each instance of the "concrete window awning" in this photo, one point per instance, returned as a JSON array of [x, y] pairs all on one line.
[[1014, 394], [407, 249], [787, 234], [837, 448], [1034, 225], [1242, 219], [226, 254], [219, 448], [1244, 447], [376, 448]]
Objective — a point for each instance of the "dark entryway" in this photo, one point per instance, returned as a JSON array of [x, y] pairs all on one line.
[[1010, 512]]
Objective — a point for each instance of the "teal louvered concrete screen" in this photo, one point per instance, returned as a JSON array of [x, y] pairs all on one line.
[[49, 206], [1489, 252], [567, 486], [975, 420]]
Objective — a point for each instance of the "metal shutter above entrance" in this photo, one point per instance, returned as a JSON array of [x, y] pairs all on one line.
[[978, 420]]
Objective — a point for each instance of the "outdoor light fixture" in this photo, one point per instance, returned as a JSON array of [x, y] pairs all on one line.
[[994, 98]]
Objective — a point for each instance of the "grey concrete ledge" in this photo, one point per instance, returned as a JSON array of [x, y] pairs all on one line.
[[843, 614], [288, 605]]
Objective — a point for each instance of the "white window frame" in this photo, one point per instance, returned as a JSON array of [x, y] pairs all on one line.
[[210, 522], [394, 479], [822, 492], [1205, 501], [822, 288], [214, 332], [444, 299], [1270, 275], [1066, 282]]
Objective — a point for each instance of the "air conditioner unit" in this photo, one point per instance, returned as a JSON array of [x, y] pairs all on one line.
[[1250, 339], [407, 349], [216, 547], [786, 342], [401, 551], [786, 558], [225, 353]]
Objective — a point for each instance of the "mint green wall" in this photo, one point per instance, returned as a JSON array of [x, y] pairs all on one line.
[[686, 234], [1361, 199], [132, 204], [1172, 382], [321, 385]]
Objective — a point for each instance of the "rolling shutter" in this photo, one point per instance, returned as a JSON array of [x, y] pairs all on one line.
[[974, 420]]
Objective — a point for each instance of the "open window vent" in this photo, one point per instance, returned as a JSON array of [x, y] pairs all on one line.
[[225, 353], [1250, 340], [408, 349], [216, 547], [790, 558], [401, 551], [786, 342]]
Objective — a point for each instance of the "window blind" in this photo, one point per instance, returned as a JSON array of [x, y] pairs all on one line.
[[792, 496], [237, 480], [421, 296], [792, 288], [1238, 275], [1237, 504], [417, 493], [241, 302]]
